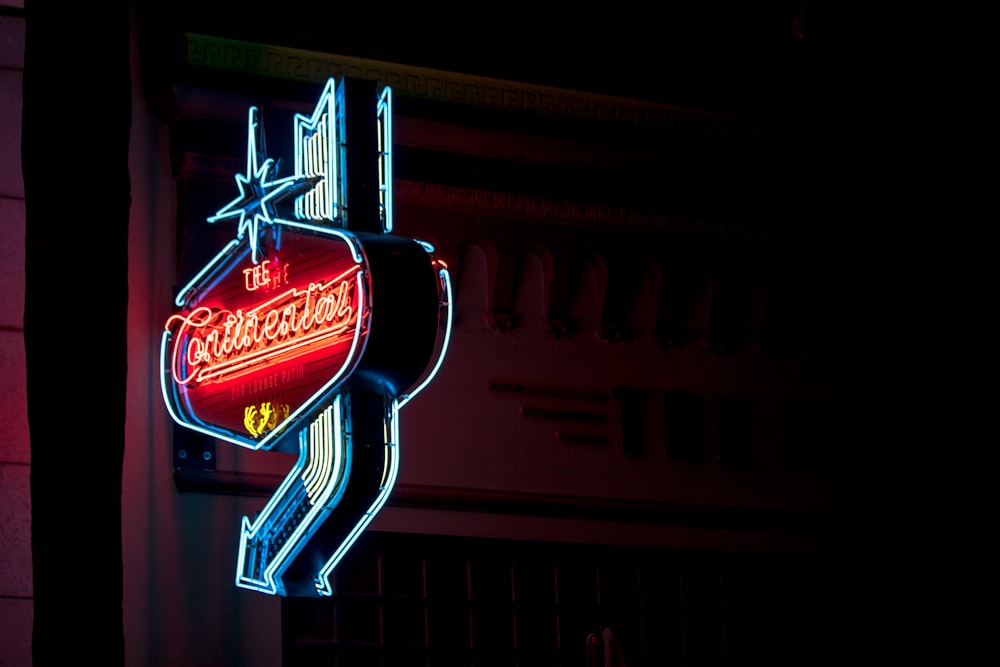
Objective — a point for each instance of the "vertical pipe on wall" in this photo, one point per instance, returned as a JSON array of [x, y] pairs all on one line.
[[75, 138]]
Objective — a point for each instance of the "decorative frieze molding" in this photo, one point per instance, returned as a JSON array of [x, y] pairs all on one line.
[[305, 66], [842, 520]]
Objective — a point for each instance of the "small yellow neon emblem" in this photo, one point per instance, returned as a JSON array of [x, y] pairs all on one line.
[[261, 420]]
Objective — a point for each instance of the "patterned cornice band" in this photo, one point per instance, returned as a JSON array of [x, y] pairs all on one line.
[[300, 65]]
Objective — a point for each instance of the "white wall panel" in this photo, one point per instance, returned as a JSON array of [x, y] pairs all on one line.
[[14, 442], [11, 182], [11, 41], [15, 531], [11, 263]]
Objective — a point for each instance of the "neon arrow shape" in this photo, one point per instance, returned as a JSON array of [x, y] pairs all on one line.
[[303, 501], [346, 469]]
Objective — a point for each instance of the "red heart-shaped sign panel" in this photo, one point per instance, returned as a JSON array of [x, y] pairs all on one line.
[[254, 345]]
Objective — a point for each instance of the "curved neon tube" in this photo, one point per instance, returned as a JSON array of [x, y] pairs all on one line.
[[445, 278]]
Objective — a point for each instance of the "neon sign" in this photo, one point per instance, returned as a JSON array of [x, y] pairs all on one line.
[[219, 343], [307, 333]]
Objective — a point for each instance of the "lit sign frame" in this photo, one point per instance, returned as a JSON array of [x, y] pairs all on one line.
[[338, 483]]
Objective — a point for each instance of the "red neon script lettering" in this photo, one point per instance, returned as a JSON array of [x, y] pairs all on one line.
[[218, 344]]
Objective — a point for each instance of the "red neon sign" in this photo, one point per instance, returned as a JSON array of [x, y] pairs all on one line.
[[275, 333], [221, 344]]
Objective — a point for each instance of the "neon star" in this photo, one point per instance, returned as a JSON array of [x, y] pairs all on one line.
[[258, 191]]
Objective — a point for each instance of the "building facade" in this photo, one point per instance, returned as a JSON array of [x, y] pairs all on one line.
[[665, 398]]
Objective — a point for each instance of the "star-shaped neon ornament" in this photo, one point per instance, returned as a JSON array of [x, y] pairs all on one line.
[[259, 190]]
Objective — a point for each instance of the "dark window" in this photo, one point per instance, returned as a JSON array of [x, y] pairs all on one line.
[[431, 601]]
